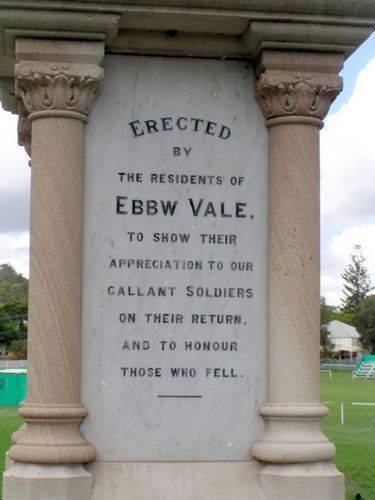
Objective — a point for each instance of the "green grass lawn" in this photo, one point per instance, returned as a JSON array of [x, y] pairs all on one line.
[[355, 440], [9, 423]]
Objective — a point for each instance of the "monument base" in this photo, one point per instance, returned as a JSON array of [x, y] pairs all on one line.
[[172, 480], [176, 480], [215, 480], [46, 482], [307, 481], [8, 461]]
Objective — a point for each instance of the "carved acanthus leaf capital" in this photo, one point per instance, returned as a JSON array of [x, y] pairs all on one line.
[[299, 96], [24, 128], [298, 84], [49, 86]]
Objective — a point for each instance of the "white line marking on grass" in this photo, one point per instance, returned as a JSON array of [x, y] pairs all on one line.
[[347, 403]]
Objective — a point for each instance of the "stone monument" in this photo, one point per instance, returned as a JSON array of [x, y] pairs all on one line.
[[174, 258]]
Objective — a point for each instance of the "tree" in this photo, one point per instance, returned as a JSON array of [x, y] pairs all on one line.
[[19, 348], [365, 322], [13, 307], [13, 321], [357, 283], [347, 317], [326, 345], [13, 286], [10, 292], [9, 274]]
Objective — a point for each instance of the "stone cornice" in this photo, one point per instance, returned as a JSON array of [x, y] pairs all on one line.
[[287, 88], [52, 82], [331, 7], [202, 28], [327, 7]]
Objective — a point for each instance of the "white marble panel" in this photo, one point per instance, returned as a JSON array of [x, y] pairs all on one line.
[[174, 330]]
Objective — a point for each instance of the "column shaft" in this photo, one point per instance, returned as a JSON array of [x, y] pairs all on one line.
[[55, 261], [293, 411], [293, 263]]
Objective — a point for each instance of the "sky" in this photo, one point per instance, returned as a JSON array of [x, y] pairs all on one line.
[[347, 180], [348, 174]]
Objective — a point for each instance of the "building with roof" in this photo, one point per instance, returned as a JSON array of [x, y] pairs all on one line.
[[345, 339]]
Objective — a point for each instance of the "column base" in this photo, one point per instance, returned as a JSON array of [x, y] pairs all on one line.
[[46, 482], [293, 435], [307, 482], [51, 436]]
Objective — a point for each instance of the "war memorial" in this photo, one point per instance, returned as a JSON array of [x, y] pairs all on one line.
[[174, 260]]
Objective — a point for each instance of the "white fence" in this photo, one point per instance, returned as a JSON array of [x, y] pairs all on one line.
[[345, 409]]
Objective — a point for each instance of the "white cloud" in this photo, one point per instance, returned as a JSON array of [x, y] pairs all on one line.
[[337, 256], [348, 184], [348, 156], [14, 196], [342, 244], [15, 250], [14, 178], [14, 169]]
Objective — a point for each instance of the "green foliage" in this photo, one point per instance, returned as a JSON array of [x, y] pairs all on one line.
[[10, 421], [13, 321], [326, 312], [13, 305], [10, 275], [365, 323], [344, 316], [9, 292], [19, 348], [357, 283], [13, 286], [325, 317]]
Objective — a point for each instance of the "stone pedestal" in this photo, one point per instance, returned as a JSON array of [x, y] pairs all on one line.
[[170, 480], [175, 246], [309, 481], [46, 482]]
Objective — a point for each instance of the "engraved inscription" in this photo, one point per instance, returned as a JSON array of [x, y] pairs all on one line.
[[174, 290]]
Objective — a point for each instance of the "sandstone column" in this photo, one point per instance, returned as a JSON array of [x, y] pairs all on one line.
[[294, 91], [57, 82]]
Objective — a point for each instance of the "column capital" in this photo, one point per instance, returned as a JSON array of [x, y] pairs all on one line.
[[297, 86], [58, 78], [24, 128]]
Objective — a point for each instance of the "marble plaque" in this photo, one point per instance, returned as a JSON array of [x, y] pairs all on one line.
[[173, 342]]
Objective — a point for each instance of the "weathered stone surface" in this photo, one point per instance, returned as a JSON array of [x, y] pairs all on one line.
[[209, 28], [188, 435], [207, 110], [182, 480], [47, 482], [52, 409]]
